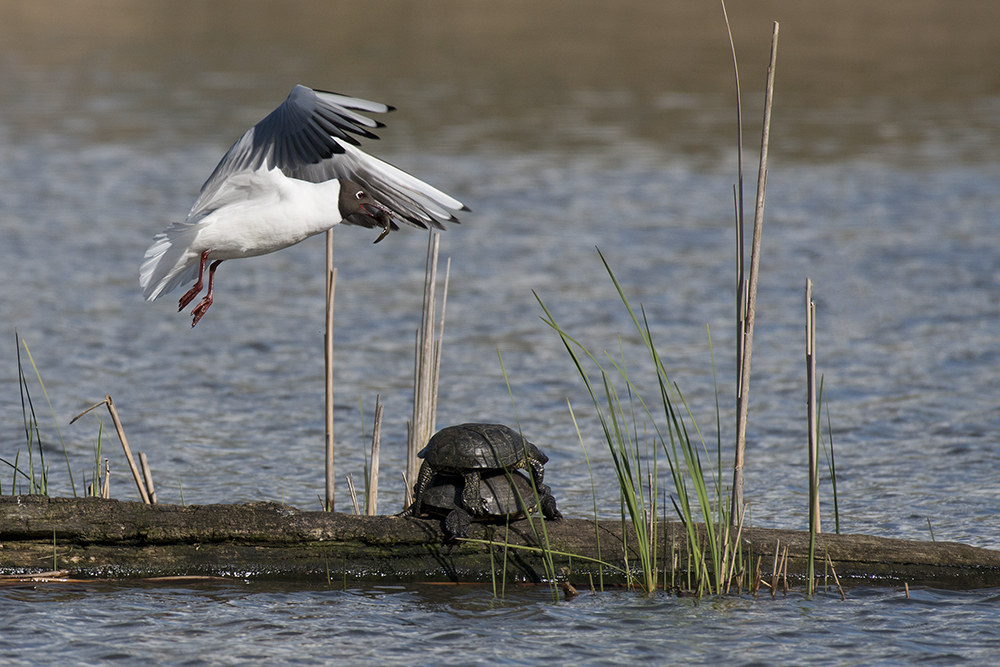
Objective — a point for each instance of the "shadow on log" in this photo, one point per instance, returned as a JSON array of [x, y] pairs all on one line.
[[267, 541]]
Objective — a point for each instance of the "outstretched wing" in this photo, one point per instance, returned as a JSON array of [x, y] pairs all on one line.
[[311, 137], [410, 199]]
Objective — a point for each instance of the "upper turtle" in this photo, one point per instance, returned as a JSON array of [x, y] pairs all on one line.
[[481, 446]]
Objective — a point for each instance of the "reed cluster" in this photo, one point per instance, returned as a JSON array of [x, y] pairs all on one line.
[[638, 433]]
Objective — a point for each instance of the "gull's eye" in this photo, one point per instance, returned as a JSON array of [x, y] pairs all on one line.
[[359, 195]]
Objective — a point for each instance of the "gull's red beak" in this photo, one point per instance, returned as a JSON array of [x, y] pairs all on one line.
[[380, 213]]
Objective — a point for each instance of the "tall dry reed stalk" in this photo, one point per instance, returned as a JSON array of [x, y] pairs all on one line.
[[371, 492], [331, 286], [427, 361], [814, 522], [814, 526], [746, 288]]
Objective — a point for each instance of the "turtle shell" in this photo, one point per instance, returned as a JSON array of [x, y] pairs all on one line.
[[479, 446]]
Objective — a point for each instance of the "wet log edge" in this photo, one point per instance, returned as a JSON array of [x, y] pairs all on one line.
[[267, 541]]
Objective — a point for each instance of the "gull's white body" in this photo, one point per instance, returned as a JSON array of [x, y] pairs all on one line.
[[264, 211], [280, 184]]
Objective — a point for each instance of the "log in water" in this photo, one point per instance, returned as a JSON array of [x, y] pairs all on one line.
[[121, 539]]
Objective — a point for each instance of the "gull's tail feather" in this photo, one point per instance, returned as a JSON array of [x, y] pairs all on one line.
[[169, 262]]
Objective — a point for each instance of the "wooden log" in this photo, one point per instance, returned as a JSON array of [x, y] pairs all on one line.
[[266, 541]]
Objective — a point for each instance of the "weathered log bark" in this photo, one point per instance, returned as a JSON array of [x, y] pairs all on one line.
[[110, 538]]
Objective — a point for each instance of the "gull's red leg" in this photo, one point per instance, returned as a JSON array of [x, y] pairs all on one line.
[[202, 308], [193, 292]]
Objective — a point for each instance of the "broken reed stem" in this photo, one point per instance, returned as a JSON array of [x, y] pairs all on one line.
[[775, 570], [128, 452], [784, 572], [106, 487], [732, 557], [354, 494], [371, 502], [121, 436], [147, 476], [814, 523], [331, 286]]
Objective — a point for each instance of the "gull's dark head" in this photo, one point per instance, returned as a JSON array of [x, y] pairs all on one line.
[[356, 201]]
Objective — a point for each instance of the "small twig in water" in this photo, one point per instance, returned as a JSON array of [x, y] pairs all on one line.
[[836, 580]]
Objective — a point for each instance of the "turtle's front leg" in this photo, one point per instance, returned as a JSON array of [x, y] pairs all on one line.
[[537, 469]]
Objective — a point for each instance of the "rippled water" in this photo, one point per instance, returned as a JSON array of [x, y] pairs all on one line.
[[425, 625], [610, 130]]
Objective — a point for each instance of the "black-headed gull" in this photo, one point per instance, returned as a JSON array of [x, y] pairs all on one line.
[[294, 174]]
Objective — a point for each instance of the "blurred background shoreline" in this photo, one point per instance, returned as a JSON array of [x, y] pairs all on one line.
[[855, 78]]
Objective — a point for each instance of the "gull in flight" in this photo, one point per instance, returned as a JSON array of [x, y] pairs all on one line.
[[294, 174]]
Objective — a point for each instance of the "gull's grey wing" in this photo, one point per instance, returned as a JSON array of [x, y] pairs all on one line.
[[410, 199], [309, 127]]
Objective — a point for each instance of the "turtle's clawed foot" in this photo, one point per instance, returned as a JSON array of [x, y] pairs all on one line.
[[549, 509], [409, 511], [457, 523]]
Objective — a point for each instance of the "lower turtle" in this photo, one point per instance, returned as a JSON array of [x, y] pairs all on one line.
[[471, 450], [505, 495]]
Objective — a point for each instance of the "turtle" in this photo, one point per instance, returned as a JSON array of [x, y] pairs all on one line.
[[469, 450], [507, 495]]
